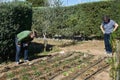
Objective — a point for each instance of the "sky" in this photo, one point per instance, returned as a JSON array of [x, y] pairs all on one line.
[[74, 2], [67, 2], [9, 0]]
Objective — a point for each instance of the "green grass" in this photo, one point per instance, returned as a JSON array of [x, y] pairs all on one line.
[[24, 70], [33, 67], [25, 77], [10, 75], [37, 73]]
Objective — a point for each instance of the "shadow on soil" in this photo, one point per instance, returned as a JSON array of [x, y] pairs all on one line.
[[35, 49]]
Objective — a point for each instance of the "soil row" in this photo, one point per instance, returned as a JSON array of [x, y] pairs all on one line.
[[42, 68]]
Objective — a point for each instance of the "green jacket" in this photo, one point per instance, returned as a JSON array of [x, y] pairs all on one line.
[[23, 35]]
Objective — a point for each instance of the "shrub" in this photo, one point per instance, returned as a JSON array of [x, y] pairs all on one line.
[[82, 19], [14, 17]]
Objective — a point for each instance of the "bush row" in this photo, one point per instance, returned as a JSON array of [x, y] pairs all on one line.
[[14, 17], [82, 19]]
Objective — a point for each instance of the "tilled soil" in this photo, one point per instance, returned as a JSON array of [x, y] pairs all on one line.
[[60, 66]]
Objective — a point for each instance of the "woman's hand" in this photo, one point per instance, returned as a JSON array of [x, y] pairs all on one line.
[[26, 44], [18, 45]]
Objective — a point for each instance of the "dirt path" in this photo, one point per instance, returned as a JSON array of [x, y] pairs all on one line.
[[93, 47]]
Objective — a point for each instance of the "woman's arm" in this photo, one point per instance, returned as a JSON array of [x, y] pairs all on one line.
[[102, 29], [115, 27]]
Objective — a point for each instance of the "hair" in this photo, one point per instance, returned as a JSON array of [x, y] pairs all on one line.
[[35, 33], [106, 18]]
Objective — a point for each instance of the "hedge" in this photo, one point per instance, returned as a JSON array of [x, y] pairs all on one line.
[[75, 20], [14, 17]]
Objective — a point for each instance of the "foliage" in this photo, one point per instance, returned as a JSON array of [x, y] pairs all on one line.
[[38, 3], [82, 19], [118, 61], [115, 60], [14, 17]]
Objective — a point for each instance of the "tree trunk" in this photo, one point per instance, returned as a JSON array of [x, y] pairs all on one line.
[[45, 42]]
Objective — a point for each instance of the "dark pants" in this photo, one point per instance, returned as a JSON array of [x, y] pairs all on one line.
[[107, 43], [19, 48]]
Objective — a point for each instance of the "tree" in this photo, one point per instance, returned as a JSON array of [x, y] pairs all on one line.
[[37, 3], [50, 18]]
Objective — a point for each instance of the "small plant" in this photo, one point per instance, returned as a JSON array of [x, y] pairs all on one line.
[[24, 70], [79, 66], [10, 75], [47, 70], [33, 67], [56, 65], [25, 77], [109, 60], [37, 73], [65, 73], [42, 63], [72, 69]]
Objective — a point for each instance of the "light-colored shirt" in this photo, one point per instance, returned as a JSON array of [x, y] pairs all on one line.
[[108, 27], [22, 35]]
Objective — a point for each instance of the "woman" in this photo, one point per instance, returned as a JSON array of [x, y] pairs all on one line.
[[108, 26], [22, 42]]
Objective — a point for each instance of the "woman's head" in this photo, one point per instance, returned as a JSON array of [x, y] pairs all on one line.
[[33, 34], [106, 19]]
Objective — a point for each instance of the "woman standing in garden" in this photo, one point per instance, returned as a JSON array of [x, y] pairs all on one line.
[[22, 42], [108, 26]]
